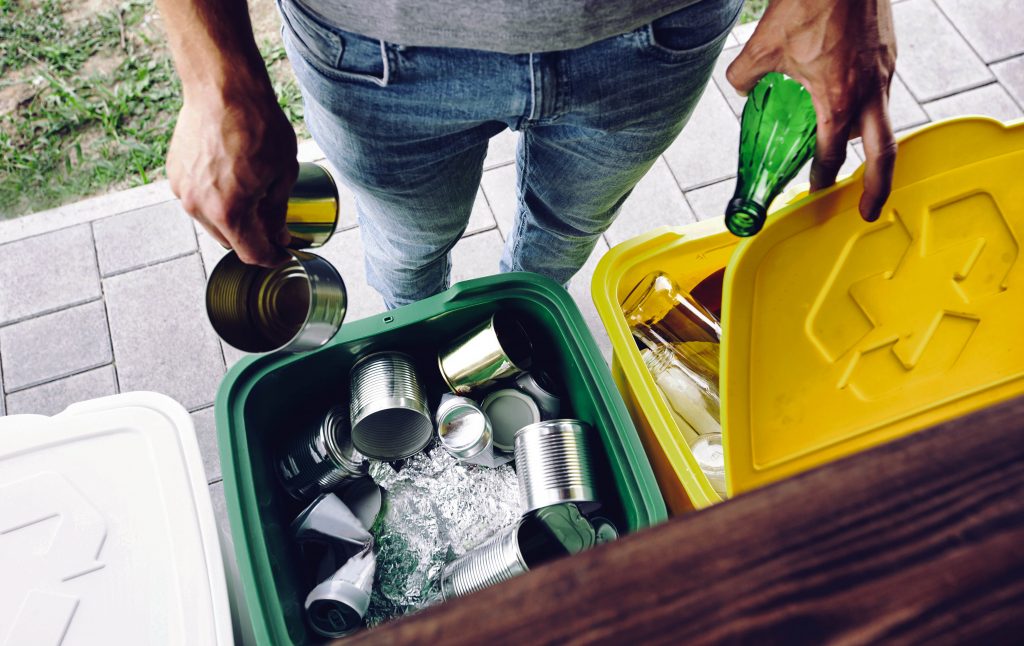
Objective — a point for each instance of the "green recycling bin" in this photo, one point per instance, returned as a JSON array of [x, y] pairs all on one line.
[[265, 399]]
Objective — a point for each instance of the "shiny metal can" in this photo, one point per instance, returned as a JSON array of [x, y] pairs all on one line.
[[321, 458], [495, 560], [553, 464], [499, 348], [388, 409], [295, 307], [462, 427], [512, 551], [337, 605], [312, 214]]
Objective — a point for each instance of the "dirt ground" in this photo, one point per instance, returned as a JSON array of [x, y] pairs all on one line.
[[18, 88]]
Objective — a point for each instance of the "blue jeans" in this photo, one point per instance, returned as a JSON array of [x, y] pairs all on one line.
[[408, 127]]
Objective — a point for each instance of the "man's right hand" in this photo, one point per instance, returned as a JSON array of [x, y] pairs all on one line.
[[232, 163]]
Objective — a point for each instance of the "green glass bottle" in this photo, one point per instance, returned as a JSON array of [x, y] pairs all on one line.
[[776, 140]]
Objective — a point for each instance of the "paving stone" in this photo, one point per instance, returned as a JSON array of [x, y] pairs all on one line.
[[994, 28], [3, 410], [499, 186], [709, 202], [656, 201], [476, 256], [1011, 75], [206, 434], [47, 272], [232, 355], [481, 218], [744, 32], [162, 339], [990, 100], [220, 506], [705, 152], [734, 100], [579, 288], [502, 149], [209, 249], [934, 60], [86, 210], [309, 151], [143, 237], [731, 40], [904, 111], [53, 397], [55, 345], [345, 252]]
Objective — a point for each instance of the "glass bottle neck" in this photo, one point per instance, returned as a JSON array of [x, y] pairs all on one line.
[[744, 217]]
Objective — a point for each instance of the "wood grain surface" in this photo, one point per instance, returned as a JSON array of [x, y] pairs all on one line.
[[917, 541]]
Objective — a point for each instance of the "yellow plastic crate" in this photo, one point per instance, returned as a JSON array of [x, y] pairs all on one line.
[[840, 335]]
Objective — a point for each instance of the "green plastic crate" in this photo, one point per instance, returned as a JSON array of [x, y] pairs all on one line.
[[264, 399]]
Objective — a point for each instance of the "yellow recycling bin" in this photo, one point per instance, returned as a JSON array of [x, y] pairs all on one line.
[[839, 335]]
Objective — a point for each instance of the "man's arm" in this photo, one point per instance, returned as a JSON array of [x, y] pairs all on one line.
[[844, 53], [232, 156]]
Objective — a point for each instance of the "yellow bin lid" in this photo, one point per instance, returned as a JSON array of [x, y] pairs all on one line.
[[839, 335]]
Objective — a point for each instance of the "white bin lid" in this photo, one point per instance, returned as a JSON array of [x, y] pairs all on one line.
[[107, 533]]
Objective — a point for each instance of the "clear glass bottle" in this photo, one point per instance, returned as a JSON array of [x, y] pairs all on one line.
[[693, 402], [661, 315]]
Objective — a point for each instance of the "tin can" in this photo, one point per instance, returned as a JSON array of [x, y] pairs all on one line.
[[388, 409], [541, 388], [312, 214], [462, 427], [514, 550], [295, 307], [553, 464], [337, 605], [499, 348], [495, 560], [321, 458]]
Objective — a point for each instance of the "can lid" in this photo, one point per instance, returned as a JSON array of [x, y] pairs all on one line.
[[572, 530], [337, 615], [508, 411], [605, 530], [106, 511]]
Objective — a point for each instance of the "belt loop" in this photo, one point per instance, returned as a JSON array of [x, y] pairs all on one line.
[[385, 58]]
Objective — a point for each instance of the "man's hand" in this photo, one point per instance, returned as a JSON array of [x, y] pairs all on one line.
[[843, 52], [232, 163], [232, 156]]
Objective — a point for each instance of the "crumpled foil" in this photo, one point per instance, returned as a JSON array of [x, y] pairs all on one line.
[[435, 510]]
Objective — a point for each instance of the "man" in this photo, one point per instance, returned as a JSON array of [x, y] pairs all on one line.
[[403, 95]]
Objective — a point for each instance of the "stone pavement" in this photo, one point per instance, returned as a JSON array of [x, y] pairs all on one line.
[[106, 295]]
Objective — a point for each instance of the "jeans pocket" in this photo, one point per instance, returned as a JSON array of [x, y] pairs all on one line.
[[335, 53], [691, 32]]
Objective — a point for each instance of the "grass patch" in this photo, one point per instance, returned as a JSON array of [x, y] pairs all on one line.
[[752, 10], [91, 104]]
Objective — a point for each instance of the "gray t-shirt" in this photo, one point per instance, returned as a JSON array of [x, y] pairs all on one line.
[[508, 26]]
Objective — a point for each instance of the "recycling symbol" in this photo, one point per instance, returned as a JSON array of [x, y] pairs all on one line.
[[50, 534], [901, 305]]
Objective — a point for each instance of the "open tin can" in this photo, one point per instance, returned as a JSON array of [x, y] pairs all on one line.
[[297, 306]]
